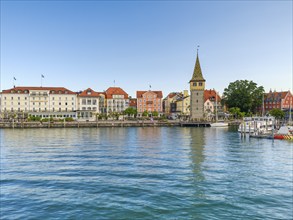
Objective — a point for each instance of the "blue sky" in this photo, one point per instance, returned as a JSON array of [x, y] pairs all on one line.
[[81, 44]]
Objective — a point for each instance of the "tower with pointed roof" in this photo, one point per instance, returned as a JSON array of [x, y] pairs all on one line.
[[197, 87]]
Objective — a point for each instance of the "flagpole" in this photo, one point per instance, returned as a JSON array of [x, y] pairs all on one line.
[[41, 81]]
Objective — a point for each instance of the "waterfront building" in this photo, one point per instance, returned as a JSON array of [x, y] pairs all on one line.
[[133, 103], [177, 103], [39, 101], [183, 103], [279, 100], [116, 100], [90, 103], [197, 87], [149, 101], [169, 105], [210, 99]]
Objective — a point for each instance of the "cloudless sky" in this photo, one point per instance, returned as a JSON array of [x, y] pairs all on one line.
[[81, 44]]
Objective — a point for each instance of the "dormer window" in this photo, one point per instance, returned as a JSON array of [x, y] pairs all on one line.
[[66, 92], [60, 92], [25, 91], [53, 91], [19, 91], [89, 92]]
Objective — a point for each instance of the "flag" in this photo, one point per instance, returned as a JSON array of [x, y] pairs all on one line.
[[150, 86], [14, 78], [43, 76]]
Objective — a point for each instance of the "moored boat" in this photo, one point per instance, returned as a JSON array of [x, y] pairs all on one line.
[[284, 133], [257, 124]]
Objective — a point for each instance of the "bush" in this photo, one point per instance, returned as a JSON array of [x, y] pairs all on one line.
[[69, 119]]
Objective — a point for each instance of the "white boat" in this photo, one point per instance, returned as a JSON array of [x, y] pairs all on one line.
[[257, 124], [219, 124]]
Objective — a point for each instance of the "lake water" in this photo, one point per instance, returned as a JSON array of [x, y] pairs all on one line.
[[144, 173]]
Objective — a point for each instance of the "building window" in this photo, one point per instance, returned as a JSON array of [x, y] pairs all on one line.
[[19, 103], [11, 98], [84, 101], [18, 98], [89, 101], [33, 103], [65, 103], [59, 103], [52, 98]]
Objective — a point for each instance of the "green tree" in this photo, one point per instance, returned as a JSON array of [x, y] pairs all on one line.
[[145, 113], [277, 113], [244, 94], [130, 111], [235, 111], [155, 113]]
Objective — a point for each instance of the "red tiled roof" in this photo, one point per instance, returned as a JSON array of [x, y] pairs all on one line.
[[115, 91], [133, 102], [140, 93], [28, 88], [275, 96], [92, 93], [211, 94]]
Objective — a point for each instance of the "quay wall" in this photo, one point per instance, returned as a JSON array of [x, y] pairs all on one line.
[[76, 124]]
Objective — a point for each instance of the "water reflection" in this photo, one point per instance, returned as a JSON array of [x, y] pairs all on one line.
[[197, 150]]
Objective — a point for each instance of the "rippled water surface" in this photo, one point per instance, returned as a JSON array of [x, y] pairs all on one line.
[[144, 173]]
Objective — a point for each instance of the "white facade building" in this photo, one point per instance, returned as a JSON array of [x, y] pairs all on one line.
[[41, 101]]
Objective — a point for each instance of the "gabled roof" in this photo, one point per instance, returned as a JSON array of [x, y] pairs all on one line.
[[115, 91], [211, 94], [89, 93], [197, 74], [133, 102], [22, 89], [139, 94], [275, 96]]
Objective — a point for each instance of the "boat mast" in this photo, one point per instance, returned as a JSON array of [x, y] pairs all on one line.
[[216, 106], [263, 105]]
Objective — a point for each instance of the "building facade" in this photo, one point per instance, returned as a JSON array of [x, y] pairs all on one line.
[[149, 101], [280, 100], [197, 87], [40, 101], [90, 103], [116, 100]]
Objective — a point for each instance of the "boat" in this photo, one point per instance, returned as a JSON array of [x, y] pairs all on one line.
[[218, 123], [284, 133], [257, 124]]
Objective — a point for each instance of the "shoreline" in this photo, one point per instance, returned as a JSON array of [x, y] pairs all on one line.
[[76, 124]]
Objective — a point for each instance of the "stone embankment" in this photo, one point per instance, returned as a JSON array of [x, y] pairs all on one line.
[[76, 124]]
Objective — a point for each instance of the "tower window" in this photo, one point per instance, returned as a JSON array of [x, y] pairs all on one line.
[[200, 84], [194, 84]]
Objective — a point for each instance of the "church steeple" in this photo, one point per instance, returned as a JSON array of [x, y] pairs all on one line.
[[197, 74]]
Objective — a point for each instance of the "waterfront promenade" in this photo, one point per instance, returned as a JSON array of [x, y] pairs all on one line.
[[101, 123]]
